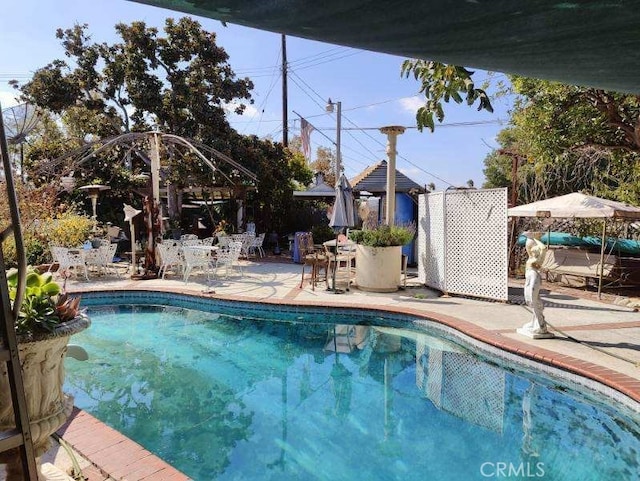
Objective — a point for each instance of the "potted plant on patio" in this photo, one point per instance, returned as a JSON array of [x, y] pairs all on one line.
[[379, 256], [47, 318]]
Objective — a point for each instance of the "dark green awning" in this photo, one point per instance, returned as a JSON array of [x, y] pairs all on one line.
[[591, 43]]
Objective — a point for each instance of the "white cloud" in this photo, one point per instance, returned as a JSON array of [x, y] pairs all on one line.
[[8, 98], [249, 110], [411, 104]]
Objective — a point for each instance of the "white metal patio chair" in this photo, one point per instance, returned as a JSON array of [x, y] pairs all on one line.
[[246, 239], [70, 260], [191, 242], [102, 258], [255, 247], [196, 258], [170, 257], [228, 258], [223, 241]]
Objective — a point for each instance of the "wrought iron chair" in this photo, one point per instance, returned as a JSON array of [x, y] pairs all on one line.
[[170, 257], [228, 258], [255, 247], [69, 260], [313, 257], [196, 258]]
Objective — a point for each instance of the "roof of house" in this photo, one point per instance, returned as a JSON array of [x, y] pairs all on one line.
[[374, 179]]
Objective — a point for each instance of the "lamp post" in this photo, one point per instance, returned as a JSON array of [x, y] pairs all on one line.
[[330, 108]]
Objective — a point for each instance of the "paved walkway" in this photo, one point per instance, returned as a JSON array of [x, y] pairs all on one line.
[[609, 333]]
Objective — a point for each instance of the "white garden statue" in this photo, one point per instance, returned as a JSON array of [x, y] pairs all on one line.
[[536, 250]]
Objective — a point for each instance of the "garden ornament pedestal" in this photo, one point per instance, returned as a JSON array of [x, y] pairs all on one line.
[[42, 360]]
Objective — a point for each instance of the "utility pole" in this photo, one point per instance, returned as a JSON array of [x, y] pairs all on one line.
[[329, 108], [285, 116]]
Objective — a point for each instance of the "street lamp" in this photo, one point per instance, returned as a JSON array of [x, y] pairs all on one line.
[[329, 109]]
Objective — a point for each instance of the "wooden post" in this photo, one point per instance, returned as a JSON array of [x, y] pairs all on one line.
[[604, 240]]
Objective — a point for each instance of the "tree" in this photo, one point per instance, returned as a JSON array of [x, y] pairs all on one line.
[[440, 83], [179, 83], [325, 160], [566, 138], [326, 163]]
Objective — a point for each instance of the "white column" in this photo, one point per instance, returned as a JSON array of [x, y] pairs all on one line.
[[155, 167], [392, 133]]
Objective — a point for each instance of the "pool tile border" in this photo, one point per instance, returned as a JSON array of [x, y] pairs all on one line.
[[112, 453]]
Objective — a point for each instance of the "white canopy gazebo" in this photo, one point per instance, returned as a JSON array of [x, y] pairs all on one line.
[[580, 206]]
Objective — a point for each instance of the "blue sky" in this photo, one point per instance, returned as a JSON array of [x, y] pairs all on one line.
[[369, 85]]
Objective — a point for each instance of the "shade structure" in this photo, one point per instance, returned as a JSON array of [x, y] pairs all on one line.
[[580, 206], [319, 190], [343, 215], [577, 205], [590, 42]]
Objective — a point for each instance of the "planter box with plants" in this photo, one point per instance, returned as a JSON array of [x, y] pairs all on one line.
[[46, 320], [379, 256]]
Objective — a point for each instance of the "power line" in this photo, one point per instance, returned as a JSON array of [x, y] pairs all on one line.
[[404, 158], [269, 90], [323, 99], [305, 59]]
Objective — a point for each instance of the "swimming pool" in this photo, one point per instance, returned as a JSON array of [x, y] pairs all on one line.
[[249, 392]]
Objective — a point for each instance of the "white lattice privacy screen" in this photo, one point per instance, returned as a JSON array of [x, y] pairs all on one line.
[[462, 242]]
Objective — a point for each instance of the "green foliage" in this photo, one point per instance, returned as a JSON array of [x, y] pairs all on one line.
[[179, 82], [277, 169], [69, 229], [440, 83], [38, 309], [384, 235], [36, 250], [566, 138], [322, 233]]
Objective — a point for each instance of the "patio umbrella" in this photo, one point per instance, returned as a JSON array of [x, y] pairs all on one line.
[[343, 215]]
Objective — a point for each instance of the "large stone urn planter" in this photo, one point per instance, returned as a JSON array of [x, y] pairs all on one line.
[[378, 269], [42, 358]]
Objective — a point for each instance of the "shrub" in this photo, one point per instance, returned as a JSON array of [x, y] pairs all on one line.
[[384, 235], [36, 250], [70, 229], [322, 233]]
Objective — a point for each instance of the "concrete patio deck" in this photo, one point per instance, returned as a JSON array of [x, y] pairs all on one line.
[[609, 351]]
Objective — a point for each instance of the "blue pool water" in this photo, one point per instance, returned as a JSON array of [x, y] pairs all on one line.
[[230, 396]]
